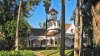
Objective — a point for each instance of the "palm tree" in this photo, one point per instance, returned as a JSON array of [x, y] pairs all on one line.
[[81, 29], [16, 39], [76, 39], [96, 24], [96, 21], [46, 5], [62, 46]]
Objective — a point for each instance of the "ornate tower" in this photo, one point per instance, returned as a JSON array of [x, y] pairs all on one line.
[[52, 22]]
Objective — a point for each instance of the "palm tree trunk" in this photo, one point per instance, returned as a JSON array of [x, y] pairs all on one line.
[[76, 39], [46, 32], [62, 48], [17, 33], [96, 26], [81, 30], [96, 23]]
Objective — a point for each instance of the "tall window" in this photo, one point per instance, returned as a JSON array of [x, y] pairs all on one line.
[[54, 23], [31, 43], [51, 40]]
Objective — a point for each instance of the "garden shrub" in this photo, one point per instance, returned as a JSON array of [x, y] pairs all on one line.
[[17, 53], [42, 48]]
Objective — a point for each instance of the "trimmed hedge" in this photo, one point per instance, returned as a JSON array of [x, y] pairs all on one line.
[[17, 53], [42, 48]]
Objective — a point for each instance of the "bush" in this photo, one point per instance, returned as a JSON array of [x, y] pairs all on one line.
[[42, 48], [17, 53]]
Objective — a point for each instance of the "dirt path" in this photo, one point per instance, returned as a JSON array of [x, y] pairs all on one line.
[[39, 54]]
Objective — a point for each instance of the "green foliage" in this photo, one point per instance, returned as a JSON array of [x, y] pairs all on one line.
[[9, 8], [73, 15], [17, 53], [47, 4], [10, 30], [42, 48], [8, 16], [87, 20]]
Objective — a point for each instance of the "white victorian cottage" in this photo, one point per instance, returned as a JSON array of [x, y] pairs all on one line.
[[51, 36]]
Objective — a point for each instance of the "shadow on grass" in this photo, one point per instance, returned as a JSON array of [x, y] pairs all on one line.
[[88, 52], [71, 53], [92, 52]]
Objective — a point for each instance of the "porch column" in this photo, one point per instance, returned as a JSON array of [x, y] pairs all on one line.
[[49, 41], [29, 43], [54, 42], [41, 43]]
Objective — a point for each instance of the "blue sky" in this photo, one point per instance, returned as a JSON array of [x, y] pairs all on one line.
[[39, 15]]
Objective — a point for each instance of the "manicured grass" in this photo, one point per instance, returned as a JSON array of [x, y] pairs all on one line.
[[54, 52], [17, 53]]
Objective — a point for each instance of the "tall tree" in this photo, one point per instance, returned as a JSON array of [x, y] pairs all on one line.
[[96, 24], [17, 27], [81, 29], [76, 38], [47, 4], [62, 46], [96, 21], [87, 23], [8, 15]]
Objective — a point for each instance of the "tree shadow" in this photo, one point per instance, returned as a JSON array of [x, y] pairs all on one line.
[[92, 52], [87, 52], [72, 53]]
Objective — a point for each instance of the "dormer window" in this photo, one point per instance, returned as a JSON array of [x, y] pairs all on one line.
[[72, 30], [52, 13]]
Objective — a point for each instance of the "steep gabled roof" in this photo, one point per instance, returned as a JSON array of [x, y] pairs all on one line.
[[43, 32], [53, 10], [38, 32]]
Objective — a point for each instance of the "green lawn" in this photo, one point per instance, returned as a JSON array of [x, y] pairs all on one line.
[[54, 52]]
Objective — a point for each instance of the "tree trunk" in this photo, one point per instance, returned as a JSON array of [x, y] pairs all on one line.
[[17, 27], [96, 23], [76, 39], [62, 46], [81, 30]]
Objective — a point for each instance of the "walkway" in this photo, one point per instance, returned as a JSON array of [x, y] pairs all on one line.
[[39, 54]]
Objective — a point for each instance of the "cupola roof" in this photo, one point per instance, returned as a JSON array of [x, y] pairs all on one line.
[[53, 10]]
